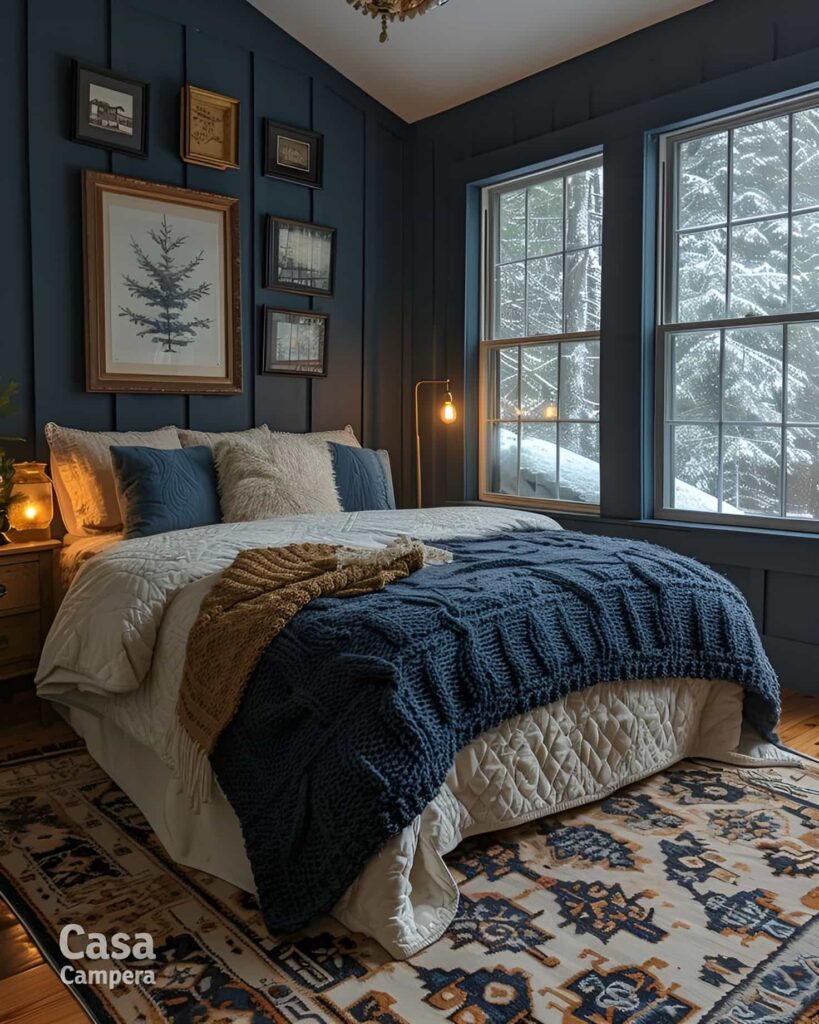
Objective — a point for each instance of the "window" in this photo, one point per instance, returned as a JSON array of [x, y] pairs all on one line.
[[540, 354], [738, 341]]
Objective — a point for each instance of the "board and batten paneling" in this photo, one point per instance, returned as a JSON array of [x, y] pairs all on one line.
[[229, 47]]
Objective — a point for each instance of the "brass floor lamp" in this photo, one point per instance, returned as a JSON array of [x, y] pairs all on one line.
[[448, 416]]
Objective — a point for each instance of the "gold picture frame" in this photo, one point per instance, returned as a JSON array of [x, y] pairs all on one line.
[[135, 342], [209, 128]]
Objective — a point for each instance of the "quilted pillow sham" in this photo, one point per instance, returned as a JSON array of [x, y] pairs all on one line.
[[84, 477], [363, 478], [161, 491], [283, 475]]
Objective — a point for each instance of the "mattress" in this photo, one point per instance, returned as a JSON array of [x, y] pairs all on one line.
[[115, 656]]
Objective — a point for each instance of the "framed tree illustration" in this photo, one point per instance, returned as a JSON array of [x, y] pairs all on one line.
[[162, 282]]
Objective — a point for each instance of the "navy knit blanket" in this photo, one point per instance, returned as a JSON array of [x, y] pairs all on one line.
[[354, 715]]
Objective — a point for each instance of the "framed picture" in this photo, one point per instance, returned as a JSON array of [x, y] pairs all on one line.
[[162, 288], [295, 343], [300, 257], [293, 154], [110, 110], [209, 128]]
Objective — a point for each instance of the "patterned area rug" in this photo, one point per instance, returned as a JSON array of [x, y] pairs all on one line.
[[692, 896]]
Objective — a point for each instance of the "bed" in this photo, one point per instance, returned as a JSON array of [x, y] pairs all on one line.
[[113, 664]]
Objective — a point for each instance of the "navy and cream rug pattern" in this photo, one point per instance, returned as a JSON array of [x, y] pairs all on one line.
[[690, 897]]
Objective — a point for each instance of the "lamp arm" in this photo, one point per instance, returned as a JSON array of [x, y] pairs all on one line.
[[418, 385]]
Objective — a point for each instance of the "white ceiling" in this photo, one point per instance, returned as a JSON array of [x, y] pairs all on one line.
[[461, 50]]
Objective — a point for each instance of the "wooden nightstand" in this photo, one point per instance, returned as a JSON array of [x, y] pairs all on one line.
[[26, 604]]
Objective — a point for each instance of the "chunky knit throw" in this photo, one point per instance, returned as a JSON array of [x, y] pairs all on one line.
[[354, 715], [251, 603]]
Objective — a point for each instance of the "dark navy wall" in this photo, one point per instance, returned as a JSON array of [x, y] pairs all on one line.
[[728, 53], [226, 46]]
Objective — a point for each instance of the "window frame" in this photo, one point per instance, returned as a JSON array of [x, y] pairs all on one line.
[[666, 326], [488, 344]]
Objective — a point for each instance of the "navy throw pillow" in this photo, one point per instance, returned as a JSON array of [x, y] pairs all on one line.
[[160, 491], [363, 478]]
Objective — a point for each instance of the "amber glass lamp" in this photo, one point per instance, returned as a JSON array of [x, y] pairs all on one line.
[[448, 414], [31, 507]]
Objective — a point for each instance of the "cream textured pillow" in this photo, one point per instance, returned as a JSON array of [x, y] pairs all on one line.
[[84, 477], [192, 438], [345, 436], [284, 475]]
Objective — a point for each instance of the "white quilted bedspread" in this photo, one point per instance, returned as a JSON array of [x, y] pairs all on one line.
[[107, 628], [117, 648]]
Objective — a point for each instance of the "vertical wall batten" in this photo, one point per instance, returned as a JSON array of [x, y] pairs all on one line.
[[340, 204], [16, 280], [143, 45]]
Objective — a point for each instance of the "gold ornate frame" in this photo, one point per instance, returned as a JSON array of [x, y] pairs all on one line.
[[223, 110], [98, 377]]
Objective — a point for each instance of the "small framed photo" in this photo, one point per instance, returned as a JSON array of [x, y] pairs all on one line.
[[293, 154], [110, 110], [209, 128], [295, 343], [300, 257]]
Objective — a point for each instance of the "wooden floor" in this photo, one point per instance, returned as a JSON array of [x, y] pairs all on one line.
[[32, 993]]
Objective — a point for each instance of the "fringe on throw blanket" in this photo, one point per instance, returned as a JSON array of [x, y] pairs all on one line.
[[248, 607]]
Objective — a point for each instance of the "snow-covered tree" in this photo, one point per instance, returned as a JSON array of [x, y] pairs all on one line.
[[733, 257]]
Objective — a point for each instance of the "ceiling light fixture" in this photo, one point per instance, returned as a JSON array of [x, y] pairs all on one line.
[[389, 10]]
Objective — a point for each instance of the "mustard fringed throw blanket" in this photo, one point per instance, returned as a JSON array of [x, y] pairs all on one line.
[[249, 606]]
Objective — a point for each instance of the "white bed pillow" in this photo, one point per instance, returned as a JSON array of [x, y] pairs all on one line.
[[282, 475], [84, 477], [209, 438], [344, 436]]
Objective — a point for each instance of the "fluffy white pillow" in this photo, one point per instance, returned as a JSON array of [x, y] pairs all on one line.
[[282, 475], [84, 477], [344, 436], [209, 438]]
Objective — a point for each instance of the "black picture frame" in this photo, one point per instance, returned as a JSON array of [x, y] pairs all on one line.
[[274, 276], [296, 367], [120, 139], [293, 154]]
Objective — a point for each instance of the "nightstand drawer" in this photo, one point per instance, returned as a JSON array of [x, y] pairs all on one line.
[[19, 585], [19, 637]]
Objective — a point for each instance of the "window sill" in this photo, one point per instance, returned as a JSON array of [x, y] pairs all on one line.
[[675, 525], [750, 531]]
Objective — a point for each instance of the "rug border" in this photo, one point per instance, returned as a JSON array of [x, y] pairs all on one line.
[[49, 949], [42, 753]]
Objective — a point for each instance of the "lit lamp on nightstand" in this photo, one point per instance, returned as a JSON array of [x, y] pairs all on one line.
[[449, 414], [31, 507]]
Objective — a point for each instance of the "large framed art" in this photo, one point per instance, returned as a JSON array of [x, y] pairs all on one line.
[[162, 288]]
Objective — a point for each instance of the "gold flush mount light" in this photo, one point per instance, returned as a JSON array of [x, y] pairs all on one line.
[[390, 10]]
